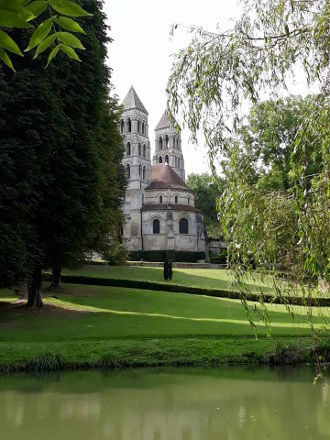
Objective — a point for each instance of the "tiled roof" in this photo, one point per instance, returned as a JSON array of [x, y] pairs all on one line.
[[133, 101], [163, 177], [166, 206], [165, 121]]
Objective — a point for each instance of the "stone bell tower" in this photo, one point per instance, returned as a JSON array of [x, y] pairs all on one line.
[[134, 129], [168, 145]]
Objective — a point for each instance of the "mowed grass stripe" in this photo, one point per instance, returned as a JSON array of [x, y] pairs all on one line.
[[102, 313]]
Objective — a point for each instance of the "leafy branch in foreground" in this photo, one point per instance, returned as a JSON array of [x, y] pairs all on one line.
[[214, 84], [51, 33]]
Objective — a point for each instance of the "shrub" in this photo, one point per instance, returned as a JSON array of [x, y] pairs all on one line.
[[221, 258], [160, 256]]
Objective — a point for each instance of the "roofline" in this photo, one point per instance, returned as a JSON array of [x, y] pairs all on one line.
[[181, 188]]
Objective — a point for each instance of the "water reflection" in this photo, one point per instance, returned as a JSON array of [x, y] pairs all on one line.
[[162, 405]]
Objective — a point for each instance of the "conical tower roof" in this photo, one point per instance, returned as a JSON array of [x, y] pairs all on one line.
[[133, 101], [165, 121]]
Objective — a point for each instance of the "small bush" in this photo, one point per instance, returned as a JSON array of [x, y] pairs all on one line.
[[221, 258], [118, 255]]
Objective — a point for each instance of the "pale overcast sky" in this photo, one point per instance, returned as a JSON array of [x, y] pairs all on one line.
[[141, 52]]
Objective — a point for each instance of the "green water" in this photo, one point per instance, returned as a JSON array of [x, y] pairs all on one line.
[[188, 404]]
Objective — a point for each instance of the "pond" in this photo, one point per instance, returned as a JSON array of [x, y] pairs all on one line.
[[181, 404]]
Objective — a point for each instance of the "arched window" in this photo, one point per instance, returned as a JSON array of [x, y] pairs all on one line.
[[176, 199], [128, 170], [188, 200], [139, 149], [166, 159], [129, 125], [128, 148], [143, 127], [160, 142], [155, 226], [122, 126], [177, 143], [183, 226], [144, 150], [166, 141], [176, 161], [174, 142], [140, 170], [160, 199], [138, 125], [160, 159], [144, 174]]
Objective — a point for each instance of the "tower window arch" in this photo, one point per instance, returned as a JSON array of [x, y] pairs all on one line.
[[155, 226], [177, 143], [139, 149], [122, 126], [140, 170], [144, 174], [138, 125], [179, 162], [166, 141], [129, 125], [183, 226], [160, 199], [175, 161], [128, 170], [166, 159], [143, 127], [174, 141], [160, 159], [160, 142], [128, 148], [144, 150], [188, 200], [176, 199]]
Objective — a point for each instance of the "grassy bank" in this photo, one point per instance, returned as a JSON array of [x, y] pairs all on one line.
[[93, 326]]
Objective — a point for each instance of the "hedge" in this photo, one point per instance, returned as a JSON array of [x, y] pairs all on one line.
[[159, 256], [149, 285]]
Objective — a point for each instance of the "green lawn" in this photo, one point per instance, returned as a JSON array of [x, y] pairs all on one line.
[[85, 323], [204, 278], [219, 279]]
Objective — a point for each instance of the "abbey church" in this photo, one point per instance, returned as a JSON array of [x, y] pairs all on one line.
[[159, 209]]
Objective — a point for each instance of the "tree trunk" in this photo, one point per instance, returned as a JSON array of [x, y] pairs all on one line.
[[56, 277], [34, 290]]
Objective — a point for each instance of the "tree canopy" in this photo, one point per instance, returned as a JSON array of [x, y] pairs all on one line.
[[61, 178], [214, 84], [206, 194]]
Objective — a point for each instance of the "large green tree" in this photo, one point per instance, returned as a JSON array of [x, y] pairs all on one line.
[[214, 83], [268, 139], [60, 158], [206, 193]]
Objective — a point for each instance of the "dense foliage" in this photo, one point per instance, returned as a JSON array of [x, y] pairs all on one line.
[[206, 193], [281, 223], [61, 178]]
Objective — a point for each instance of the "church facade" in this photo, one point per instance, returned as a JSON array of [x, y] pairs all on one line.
[[159, 210]]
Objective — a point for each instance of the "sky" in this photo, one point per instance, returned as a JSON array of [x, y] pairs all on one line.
[[140, 54]]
